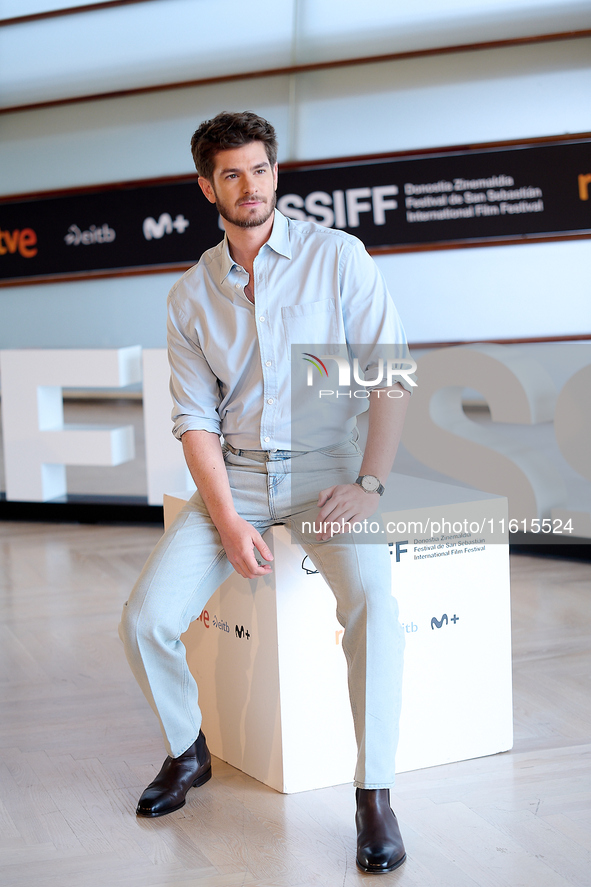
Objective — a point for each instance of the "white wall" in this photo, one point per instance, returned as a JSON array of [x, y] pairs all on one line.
[[504, 292], [490, 95], [168, 40], [14, 8], [105, 313], [510, 93]]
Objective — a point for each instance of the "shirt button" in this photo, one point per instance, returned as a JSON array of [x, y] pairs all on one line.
[[270, 400], [238, 286], [262, 319], [267, 439], [267, 363]]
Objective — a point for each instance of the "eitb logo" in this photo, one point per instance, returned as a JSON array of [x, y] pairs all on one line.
[[391, 369]]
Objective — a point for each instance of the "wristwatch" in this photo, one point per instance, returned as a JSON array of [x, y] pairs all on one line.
[[370, 484]]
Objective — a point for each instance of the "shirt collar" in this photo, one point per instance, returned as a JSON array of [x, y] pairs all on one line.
[[278, 242], [279, 239]]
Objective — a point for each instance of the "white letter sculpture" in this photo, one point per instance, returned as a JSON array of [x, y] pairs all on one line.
[[518, 391], [37, 443], [165, 463]]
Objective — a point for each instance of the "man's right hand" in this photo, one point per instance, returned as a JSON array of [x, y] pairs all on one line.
[[240, 539], [205, 460]]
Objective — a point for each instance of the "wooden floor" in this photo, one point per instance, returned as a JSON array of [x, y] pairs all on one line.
[[78, 744]]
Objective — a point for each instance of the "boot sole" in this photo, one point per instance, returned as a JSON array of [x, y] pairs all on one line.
[[149, 815], [380, 871]]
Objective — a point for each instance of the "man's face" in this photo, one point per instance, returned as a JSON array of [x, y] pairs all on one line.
[[243, 185]]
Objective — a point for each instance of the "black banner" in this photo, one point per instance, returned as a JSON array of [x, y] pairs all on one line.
[[501, 194]]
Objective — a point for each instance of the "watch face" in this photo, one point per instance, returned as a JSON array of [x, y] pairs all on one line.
[[370, 483]]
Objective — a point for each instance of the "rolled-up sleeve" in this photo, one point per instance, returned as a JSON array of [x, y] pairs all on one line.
[[193, 386], [373, 327]]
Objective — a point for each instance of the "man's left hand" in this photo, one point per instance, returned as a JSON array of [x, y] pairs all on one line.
[[343, 505]]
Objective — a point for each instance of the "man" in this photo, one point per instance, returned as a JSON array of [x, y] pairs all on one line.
[[270, 284]]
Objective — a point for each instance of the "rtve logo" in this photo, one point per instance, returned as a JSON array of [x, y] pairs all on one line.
[[341, 209], [164, 225], [24, 241], [584, 182]]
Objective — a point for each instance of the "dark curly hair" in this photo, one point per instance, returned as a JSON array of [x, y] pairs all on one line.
[[230, 130]]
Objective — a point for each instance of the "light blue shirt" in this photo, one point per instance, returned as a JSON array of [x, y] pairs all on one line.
[[234, 370]]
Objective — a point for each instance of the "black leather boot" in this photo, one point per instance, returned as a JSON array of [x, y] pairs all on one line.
[[379, 843], [167, 793]]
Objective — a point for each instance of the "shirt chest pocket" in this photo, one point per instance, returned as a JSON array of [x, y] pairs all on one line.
[[315, 323]]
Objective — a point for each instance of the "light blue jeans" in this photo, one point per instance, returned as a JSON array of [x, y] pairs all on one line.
[[189, 563]]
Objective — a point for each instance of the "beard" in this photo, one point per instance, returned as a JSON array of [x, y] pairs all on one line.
[[251, 221]]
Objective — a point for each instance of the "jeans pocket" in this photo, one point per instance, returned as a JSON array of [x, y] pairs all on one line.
[[348, 447]]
